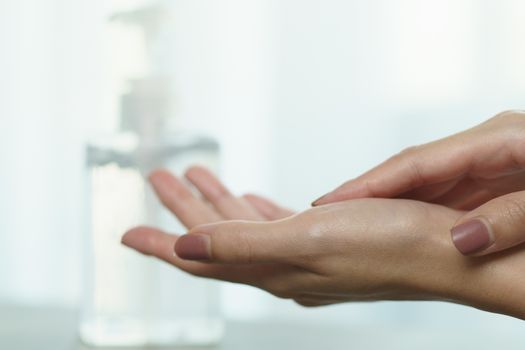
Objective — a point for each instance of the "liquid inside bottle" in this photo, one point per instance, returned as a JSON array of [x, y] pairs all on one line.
[[131, 299]]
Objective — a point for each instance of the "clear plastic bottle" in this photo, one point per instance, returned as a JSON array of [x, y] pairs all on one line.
[[130, 299]]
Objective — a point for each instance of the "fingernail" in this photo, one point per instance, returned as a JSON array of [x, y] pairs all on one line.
[[193, 246], [129, 240], [471, 237], [316, 202]]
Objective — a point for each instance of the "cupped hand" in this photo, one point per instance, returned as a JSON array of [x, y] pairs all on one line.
[[203, 200], [481, 169], [368, 249]]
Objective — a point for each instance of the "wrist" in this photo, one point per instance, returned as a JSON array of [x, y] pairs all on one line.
[[495, 282], [492, 283]]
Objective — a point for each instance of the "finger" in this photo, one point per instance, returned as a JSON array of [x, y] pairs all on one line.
[[153, 242], [416, 166], [466, 195], [432, 192], [470, 193], [478, 149], [267, 208], [179, 199], [462, 194], [229, 206], [242, 242], [493, 148], [496, 225]]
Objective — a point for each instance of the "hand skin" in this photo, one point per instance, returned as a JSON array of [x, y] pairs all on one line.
[[358, 250], [481, 170]]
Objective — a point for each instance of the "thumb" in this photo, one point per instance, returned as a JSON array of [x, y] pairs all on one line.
[[496, 225], [239, 242]]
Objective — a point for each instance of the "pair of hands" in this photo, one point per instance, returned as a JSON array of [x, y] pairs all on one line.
[[363, 249]]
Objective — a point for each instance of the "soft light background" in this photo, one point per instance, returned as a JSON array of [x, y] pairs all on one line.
[[302, 94]]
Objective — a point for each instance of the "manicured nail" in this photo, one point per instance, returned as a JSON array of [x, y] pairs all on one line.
[[316, 202], [193, 246], [471, 237]]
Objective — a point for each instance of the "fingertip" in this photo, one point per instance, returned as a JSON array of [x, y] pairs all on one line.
[[135, 239], [250, 196], [159, 177], [329, 197], [125, 239], [258, 200], [351, 190], [190, 171], [319, 201], [159, 172], [147, 240], [195, 170]]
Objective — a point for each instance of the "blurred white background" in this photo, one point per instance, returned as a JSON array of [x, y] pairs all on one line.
[[302, 95]]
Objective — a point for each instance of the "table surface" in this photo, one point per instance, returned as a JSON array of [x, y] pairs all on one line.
[[24, 328]]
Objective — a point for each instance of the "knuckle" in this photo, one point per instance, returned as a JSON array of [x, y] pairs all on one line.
[[317, 236], [514, 210], [314, 238], [416, 176], [510, 125], [410, 158], [510, 116], [405, 154], [408, 151]]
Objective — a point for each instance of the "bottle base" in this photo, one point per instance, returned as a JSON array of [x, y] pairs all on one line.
[[109, 333]]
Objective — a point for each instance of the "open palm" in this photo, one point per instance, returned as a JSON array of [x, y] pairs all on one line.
[[216, 204]]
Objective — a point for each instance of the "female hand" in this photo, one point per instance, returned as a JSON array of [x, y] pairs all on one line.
[[367, 249], [216, 204], [481, 169], [347, 251]]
